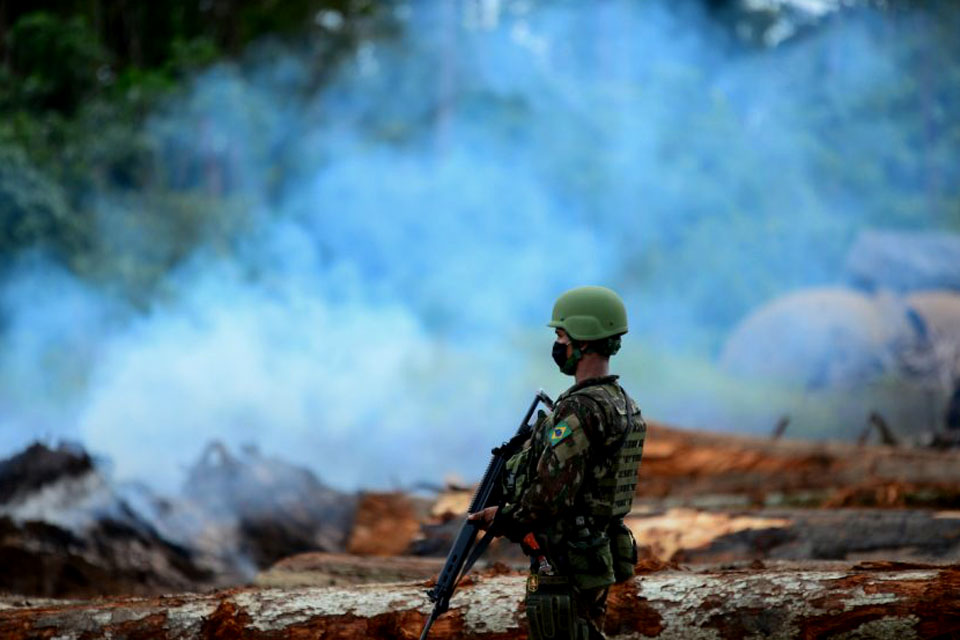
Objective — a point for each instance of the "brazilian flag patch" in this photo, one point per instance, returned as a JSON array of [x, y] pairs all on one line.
[[559, 432]]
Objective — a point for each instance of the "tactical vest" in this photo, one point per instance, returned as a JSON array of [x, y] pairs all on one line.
[[608, 488]]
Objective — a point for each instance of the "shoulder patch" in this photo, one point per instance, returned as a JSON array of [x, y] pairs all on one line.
[[569, 441], [559, 432]]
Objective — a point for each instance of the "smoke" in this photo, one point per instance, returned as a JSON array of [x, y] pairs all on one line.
[[55, 328], [407, 226]]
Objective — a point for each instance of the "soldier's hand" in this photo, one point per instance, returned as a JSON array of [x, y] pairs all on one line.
[[484, 517]]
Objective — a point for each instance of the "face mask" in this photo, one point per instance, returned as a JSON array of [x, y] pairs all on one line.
[[567, 365]]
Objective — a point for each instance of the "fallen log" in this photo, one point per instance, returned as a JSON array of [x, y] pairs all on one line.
[[691, 536], [339, 569], [709, 470], [879, 600]]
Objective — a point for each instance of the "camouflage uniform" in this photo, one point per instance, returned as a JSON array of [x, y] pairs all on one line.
[[570, 486]]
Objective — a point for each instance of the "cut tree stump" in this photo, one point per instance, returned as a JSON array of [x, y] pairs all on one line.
[[876, 600]]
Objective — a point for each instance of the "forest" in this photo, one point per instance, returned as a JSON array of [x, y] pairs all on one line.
[[79, 80]]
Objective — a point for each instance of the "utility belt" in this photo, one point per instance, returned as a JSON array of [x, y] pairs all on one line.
[[591, 553]]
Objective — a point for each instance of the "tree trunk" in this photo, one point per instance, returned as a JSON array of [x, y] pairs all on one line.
[[879, 600]]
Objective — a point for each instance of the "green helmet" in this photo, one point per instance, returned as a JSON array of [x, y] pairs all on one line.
[[590, 313]]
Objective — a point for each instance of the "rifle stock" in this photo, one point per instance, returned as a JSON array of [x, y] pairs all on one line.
[[464, 552]]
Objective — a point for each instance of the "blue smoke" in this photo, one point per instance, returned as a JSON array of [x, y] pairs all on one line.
[[407, 227]]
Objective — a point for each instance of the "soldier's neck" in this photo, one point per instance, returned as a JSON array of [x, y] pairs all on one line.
[[592, 365]]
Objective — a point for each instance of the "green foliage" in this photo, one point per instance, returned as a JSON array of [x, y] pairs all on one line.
[[33, 209], [77, 81], [57, 61], [192, 53], [78, 78]]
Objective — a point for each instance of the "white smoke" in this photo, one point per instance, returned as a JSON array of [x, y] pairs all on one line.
[[409, 224]]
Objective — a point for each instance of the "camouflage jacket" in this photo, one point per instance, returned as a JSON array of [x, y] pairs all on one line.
[[548, 484]]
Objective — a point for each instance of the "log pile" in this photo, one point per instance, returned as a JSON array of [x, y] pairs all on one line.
[[708, 498], [696, 468], [703, 500], [713, 470], [384, 524], [880, 600]]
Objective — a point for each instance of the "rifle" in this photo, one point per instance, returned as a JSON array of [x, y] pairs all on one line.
[[466, 549]]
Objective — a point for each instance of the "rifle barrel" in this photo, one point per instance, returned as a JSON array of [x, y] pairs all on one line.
[[426, 627], [487, 491]]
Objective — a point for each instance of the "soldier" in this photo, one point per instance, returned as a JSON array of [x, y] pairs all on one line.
[[574, 479]]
